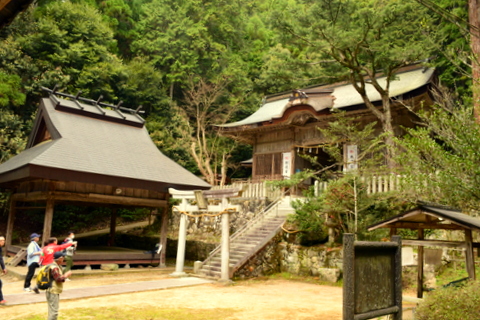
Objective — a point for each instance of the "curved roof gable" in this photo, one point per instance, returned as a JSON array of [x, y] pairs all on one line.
[[344, 95], [82, 148]]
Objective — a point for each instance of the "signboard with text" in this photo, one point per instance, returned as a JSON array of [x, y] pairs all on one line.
[[286, 164]]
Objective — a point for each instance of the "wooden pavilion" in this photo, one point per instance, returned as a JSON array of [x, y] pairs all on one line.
[[286, 125], [85, 152], [437, 218]]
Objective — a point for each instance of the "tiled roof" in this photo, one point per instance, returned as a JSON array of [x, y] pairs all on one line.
[[419, 215], [344, 95], [100, 147]]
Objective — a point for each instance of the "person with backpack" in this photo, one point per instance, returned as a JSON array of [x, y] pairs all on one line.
[[48, 253], [34, 253], [57, 279], [4, 269]]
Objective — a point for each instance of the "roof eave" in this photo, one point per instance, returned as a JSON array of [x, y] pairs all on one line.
[[31, 172]]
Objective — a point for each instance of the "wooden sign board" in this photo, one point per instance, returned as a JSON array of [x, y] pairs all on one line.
[[372, 272]]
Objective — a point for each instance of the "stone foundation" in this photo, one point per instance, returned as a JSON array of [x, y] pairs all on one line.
[[279, 256]]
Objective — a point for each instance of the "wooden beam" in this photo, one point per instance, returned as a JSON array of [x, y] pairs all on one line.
[[435, 243], [163, 238], [47, 223], [10, 222], [91, 198], [420, 266], [423, 225], [113, 225], [470, 261]]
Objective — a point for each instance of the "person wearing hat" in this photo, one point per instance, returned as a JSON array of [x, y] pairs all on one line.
[[34, 252], [53, 293]]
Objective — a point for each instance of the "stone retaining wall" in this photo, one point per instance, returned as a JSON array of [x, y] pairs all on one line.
[[280, 256], [199, 226]]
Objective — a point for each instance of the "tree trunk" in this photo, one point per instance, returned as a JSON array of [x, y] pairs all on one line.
[[389, 134], [473, 12]]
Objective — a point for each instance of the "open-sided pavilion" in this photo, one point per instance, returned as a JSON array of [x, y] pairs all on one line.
[[434, 217], [85, 152]]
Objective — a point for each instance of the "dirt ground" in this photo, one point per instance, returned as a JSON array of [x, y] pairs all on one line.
[[260, 299]]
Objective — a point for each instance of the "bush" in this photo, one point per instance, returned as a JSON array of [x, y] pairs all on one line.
[[452, 303]]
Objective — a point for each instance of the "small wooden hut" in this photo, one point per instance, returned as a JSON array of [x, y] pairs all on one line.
[[82, 151], [286, 125], [435, 218]]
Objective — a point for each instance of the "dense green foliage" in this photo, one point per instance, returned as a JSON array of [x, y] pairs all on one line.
[[346, 207], [451, 303], [154, 53], [440, 160]]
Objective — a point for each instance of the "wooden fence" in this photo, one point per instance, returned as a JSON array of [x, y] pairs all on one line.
[[375, 184], [254, 189]]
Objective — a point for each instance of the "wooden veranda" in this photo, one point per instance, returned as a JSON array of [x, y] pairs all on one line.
[[434, 217]]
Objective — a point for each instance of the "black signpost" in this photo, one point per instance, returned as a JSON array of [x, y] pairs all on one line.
[[372, 278]]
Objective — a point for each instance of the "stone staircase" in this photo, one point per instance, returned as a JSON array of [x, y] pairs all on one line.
[[248, 240]]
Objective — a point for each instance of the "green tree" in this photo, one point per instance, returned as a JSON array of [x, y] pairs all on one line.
[[60, 43], [12, 134], [440, 159], [365, 38], [206, 104], [122, 16]]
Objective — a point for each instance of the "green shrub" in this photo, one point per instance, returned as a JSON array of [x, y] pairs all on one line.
[[452, 303]]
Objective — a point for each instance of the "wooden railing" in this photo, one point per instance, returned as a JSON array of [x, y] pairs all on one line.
[[375, 184], [253, 189]]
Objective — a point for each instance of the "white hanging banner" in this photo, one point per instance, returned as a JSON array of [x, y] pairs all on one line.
[[352, 157], [286, 164]]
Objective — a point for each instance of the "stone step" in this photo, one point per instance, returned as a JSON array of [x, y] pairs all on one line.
[[212, 274]]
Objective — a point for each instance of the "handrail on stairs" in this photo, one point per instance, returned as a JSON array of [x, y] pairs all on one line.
[[249, 224]]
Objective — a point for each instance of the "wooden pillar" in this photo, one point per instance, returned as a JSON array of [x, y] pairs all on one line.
[[163, 238], [113, 227], [348, 276], [420, 265], [11, 220], [393, 232], [47, 223], [470, 262]]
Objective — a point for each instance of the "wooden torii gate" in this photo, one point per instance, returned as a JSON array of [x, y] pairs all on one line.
[[195, 204]]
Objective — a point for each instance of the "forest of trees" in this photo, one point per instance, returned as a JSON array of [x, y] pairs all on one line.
[[194, 63]]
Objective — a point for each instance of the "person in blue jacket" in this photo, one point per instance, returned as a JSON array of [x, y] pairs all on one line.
[[34, 253]]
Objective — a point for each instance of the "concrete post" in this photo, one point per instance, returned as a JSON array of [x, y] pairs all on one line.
[[182, 236], [225, 269]]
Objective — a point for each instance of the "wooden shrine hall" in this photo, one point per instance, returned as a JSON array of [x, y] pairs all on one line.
[[426, 216], [85, 152]]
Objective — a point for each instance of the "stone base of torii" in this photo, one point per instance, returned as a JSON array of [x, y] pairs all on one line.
[[195, 203]]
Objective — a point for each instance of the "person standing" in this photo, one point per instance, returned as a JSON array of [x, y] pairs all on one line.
[[70, 251], [34, 253], [53, 293], [52, 247], [49, 251], [4, 270]]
